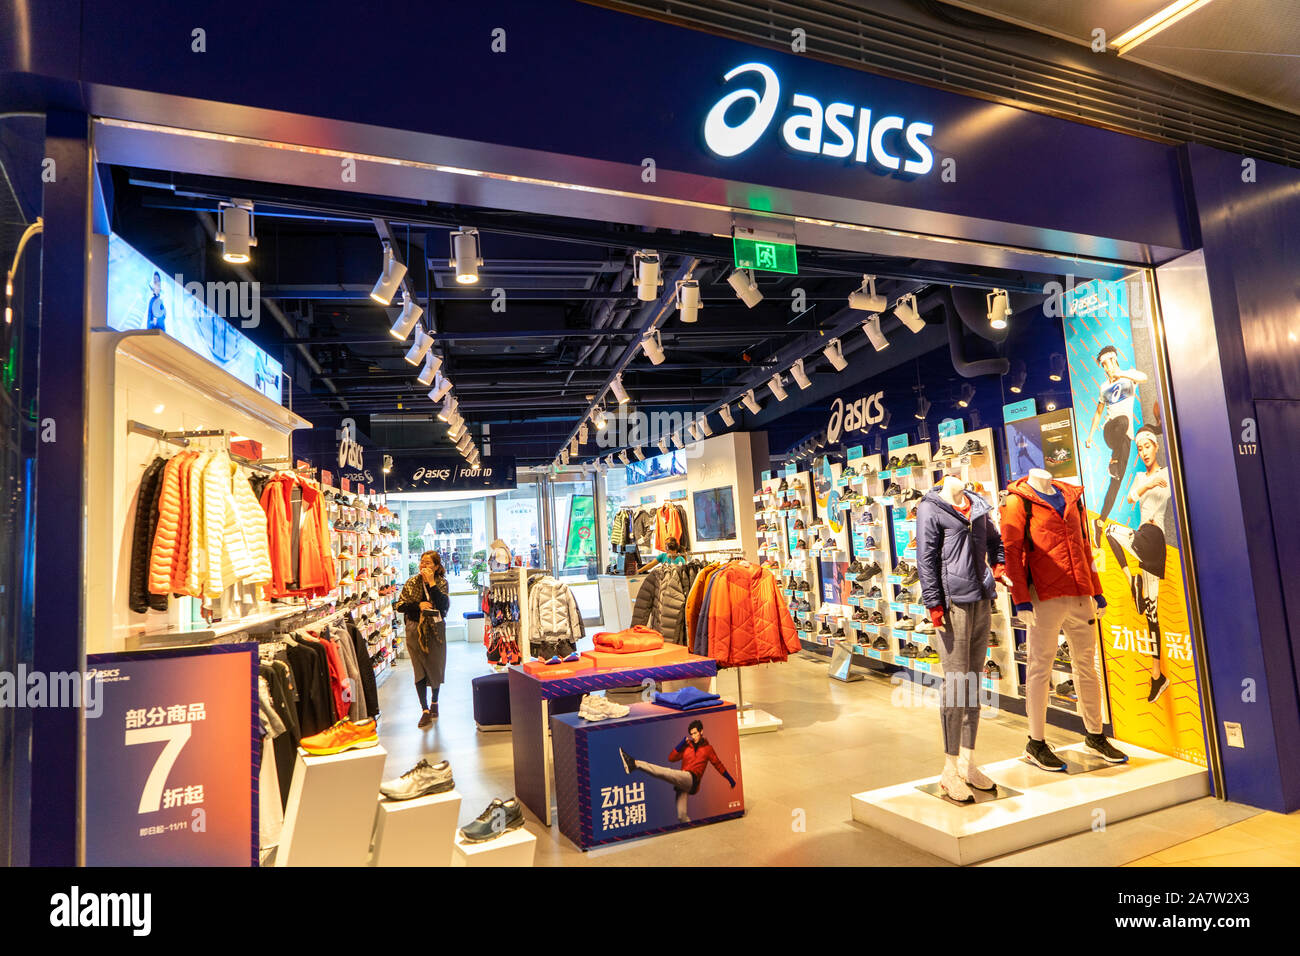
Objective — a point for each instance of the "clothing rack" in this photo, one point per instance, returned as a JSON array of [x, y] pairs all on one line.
[[182, 438]]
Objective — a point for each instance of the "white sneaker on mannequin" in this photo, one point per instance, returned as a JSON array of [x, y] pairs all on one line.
[[953, 785], [973, 775]]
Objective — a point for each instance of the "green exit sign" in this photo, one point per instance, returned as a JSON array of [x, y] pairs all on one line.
[[765, 255]]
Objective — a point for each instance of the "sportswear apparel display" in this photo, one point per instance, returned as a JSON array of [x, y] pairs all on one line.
[[688, 698], [301, 558], [743, 619], [670, 522], [955, 552], [554, 619], [596, 707], [661, 603], [632, 640], [1074, 616], [1044, 549]]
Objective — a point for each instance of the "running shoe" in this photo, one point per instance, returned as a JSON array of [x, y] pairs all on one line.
[[880, 644], [1066, 690], [893, 463], [893, 489], [972, 447], [945, 451], [500, 816], [420, 781], [1159, 685], [992, 671], [871, 570], [911, 461], [344, 735], [1040, 755], [1099, 745], [906, 624]]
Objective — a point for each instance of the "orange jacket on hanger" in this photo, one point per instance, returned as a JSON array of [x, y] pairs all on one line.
[[695, 599], [668, 524], [172, 522], [749, 623]]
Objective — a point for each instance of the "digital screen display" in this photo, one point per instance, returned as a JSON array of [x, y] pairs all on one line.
[[715, 515], [660, 466]]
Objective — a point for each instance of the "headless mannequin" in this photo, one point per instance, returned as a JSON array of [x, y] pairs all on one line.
[[953, 491], [1041, 481]]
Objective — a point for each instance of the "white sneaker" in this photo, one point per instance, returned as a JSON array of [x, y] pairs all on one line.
[[954, 786], [594, 707], [975, 777]]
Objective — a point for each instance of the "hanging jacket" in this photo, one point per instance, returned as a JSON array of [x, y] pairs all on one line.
[[668, 524], [553, 613], [748, 622], [955, 554], [169, 522], [140, 597], [619, 534], [196, 571], [228, 559], [644, 523], [1045, 549], [695, 600], [661, 602], [252, 522], [683, 529], [178, 565]]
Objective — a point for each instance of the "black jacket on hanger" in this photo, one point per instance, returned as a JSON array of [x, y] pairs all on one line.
[[146, 523], [368, 687]]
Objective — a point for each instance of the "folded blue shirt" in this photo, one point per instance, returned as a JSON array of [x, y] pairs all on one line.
[[686, 698]]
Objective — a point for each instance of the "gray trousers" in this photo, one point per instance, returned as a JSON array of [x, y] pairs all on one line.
[[963, 643], [682, 781], [1074, 616]]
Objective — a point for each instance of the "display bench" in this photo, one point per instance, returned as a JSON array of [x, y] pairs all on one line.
[[603, 797], [535, 695]]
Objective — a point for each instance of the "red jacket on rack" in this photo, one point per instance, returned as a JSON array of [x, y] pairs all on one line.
[[1059, 561], [668, 524], [749, 623], [315, 556]]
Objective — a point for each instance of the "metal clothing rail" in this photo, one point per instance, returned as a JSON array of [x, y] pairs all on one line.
[[182, 438]]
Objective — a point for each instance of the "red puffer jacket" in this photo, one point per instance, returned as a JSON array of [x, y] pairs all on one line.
[[1058, 561], [748, 621]]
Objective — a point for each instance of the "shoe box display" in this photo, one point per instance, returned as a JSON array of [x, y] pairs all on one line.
[[784, 513]]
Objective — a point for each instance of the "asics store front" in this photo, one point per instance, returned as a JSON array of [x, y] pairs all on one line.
[[990, 440]]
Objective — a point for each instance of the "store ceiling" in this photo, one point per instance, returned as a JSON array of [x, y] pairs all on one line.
[[1247, 47], [570, 308]]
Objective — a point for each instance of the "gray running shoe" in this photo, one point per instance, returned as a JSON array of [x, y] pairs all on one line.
[[499, 817], [420, 781]]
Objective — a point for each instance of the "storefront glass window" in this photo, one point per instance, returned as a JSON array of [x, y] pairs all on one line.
[[577, 555], [519, 523], [456, 529]]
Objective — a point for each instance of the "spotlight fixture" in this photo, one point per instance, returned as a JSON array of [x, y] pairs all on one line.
[[751, 402], [439, 391], [905, 309], [466, 256], [406, 321], [693, 430], [705, 427], [609, 460], [599, 419], [676, 439], [646, 263], [777, 389], [1050, 405], [432, 365], [663, 445], [728, 418], [582, 434], [874, 334], [1058, 367], [455, 430], [799, 375], [1016, 377], [449, 408], [423, 342], [464, 443], [392, 276], [387, 467], [235, 230], [967, 395], [573, 447], [622, 456], [619, 391], [653, 347], [999, 308], [922, 407], [884, 422], [834, 353], [688, 299], [640, 455], [744, 284], [866, 299]]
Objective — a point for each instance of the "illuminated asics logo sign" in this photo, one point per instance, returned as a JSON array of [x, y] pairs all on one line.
[[837, 130], [856, 416]]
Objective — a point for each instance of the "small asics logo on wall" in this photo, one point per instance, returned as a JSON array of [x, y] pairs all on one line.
[[835, 130], [857, 416]]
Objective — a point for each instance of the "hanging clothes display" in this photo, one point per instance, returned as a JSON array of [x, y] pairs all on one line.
[[554, 620], [661, 601], [501, 607], [670, 522], [742, 618], [302, 564], [643, 525], [142, 597]]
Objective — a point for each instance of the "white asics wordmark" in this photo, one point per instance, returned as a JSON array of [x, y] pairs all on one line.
[[810, 127]]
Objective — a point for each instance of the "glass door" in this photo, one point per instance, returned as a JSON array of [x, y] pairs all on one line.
[[576, 541]]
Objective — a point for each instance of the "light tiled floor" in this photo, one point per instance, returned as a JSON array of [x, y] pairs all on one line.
[[838, 739], [1266, 839]]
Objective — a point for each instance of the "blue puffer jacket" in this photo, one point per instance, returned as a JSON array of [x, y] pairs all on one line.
[[955, 555]]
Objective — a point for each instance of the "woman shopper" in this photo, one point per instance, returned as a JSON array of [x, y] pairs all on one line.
[[425, 598]]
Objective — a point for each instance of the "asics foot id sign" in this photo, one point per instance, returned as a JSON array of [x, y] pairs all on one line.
[[836, 130]]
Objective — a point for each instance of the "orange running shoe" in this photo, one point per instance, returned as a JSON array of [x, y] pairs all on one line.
[[345, 735]]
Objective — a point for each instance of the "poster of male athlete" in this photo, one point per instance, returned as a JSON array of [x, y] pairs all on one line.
[[1154, 699]]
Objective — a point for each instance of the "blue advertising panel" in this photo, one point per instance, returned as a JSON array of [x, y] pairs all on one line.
[[172, 759], [660, 466], [653, 771], [140, 296], [1024, 446], [950, 427], [834, 587], [1025, 408]]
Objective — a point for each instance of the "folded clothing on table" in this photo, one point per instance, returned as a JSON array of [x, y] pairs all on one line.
[[688, 698], [630, 641]]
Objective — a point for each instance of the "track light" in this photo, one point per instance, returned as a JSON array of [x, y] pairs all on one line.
[[387, 466], [439, 391], [999, 308], [866, 299], [423, 341], [653, 347], [464, 442], [1058, 367], [235, 230], [582, 434], [1016, 377], [599, 419], [834, 353], [799, 375], [406, 321], [777, 389], [967, 395], [676, 439], [884, 422], [455, 430], [728, 418], [392, 276], [449, 408], [922, 407], [622, 456], [646, 263], [705, 427], [432, 365], [663, 445], [573, 447], [640, 455], [466, 256], [688, 299], [619, 391], [751, 402], [874, 334], [744, 284], [905, 309], [693, 430]]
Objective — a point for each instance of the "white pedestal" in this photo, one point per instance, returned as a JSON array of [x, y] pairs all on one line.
[[1049, 806], [331, 810], [417, 832], [755, 721], [514, 848]]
